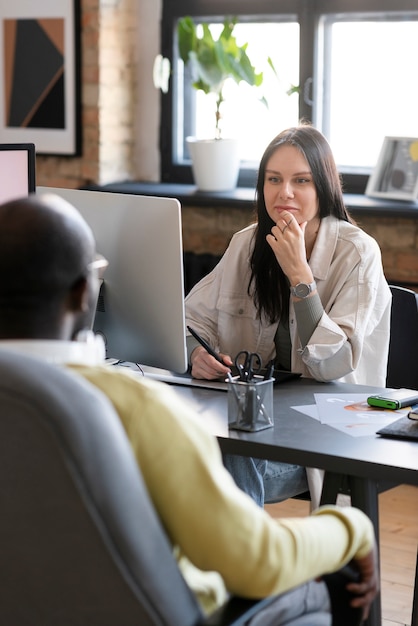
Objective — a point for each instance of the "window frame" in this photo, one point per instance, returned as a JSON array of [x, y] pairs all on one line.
[[308, 14]]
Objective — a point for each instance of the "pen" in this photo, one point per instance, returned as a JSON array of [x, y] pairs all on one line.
[[269, 371], [206, 346]]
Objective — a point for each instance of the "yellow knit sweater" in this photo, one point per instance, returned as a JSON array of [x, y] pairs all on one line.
[[224, 542]]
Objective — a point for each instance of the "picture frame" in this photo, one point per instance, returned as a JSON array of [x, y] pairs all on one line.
[[396, 173], [40, 75]]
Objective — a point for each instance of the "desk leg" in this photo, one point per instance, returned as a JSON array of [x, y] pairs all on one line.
[[364, 496], [414, 620], [333, 485]]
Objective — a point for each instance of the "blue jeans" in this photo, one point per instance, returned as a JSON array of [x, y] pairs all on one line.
[[266, 481], [307, 605]]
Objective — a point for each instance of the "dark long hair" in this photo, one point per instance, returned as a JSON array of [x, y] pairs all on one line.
[[268, 284]]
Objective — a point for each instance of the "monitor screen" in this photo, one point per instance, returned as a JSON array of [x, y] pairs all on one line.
[[140, 311], [17, 170]]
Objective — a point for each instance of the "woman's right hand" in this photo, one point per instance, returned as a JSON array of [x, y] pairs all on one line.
[[205, 366]]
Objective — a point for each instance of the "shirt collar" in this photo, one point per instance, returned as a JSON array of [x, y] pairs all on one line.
[[90, 352]]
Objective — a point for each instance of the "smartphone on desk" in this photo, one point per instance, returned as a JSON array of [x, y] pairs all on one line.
[[395, 399]]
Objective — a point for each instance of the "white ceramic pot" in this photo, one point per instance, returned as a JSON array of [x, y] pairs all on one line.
[[215, 163]]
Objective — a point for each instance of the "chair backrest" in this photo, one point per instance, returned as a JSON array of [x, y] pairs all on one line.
[[403, 347], [80, 541]]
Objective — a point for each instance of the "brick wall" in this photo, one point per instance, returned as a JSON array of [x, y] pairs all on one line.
[[107, 98], [210, 229], [115, 104], [398, 240]]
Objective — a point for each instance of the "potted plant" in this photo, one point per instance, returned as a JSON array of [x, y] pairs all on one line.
[[215, 161]]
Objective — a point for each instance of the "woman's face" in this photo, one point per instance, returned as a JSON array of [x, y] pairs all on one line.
[[289, 186]]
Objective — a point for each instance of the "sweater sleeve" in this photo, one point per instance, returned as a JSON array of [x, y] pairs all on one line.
[[308, 313], [216, 525], [191, 344]]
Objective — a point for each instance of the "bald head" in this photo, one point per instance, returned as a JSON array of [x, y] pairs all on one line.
[[45, 248]]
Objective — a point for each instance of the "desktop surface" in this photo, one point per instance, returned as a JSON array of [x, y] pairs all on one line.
[[298, 438]]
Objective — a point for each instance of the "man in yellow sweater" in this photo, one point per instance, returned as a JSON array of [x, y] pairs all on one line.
[[223, 540]]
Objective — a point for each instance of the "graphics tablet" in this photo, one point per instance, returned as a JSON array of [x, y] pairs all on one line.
[[403, 428], [280, 376]]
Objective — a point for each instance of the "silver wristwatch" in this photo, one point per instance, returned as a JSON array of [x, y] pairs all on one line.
[[302, 290]]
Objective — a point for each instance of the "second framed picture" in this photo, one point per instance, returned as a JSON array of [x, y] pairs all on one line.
[[396, 172]]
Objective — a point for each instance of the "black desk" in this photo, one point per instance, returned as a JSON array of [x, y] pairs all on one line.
[[367, 462]]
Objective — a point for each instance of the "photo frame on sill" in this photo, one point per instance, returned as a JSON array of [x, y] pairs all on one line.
[[396, 173], [40, 75]]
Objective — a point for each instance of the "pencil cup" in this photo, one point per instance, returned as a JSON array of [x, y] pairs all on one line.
[[250, 404]]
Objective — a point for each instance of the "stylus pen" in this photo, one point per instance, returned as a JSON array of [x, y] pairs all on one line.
[[206, 346]]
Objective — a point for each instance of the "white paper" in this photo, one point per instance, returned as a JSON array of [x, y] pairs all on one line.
[[350, 413]]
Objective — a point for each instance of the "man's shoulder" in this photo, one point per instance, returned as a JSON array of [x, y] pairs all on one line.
[[119, 380], [141, 400]]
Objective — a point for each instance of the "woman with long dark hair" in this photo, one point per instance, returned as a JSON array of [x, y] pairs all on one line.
[[304, 285]]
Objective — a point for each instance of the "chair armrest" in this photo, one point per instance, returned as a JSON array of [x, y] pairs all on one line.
[[342, 613]]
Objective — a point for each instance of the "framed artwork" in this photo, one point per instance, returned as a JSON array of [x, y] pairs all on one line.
[[396, 172], [40, 75]]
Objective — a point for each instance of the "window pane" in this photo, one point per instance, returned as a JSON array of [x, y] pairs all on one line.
[[370, 86], [243, 114]]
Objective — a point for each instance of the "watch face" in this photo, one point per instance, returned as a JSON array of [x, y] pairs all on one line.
[[302, 290]]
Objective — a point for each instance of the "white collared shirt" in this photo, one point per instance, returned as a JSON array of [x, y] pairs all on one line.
[[90, 350]]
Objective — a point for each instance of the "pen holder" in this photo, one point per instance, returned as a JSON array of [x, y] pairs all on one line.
[[250, 404]]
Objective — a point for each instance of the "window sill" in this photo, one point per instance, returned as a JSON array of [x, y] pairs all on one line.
[[242, 197]]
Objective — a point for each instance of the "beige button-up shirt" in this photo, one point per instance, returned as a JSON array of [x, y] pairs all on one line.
[[351, 340]]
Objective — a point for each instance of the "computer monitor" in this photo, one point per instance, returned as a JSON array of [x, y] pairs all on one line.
[[17, 170], [140, 311]]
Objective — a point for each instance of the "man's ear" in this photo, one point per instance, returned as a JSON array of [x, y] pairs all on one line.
[[78, 296]]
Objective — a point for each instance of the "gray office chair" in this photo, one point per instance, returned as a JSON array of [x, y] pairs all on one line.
[[402, 370], [402, 361], [80, 540]]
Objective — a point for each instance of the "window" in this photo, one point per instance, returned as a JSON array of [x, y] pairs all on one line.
[[353, 85], [370, 88]]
